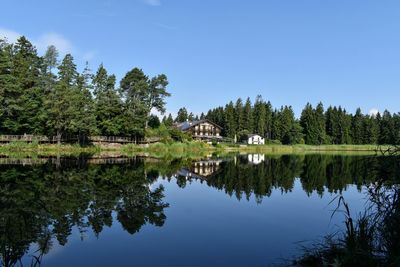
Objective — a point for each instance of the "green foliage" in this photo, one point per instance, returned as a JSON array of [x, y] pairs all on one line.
[[40, 96], [107, 104], [313, 123], [154, 121], [178, 135], [315, 127], [243, 135], [182, 115], [141, 94], [338, 125], [229, 122], [273, 142], [248, 116], [168, 121]]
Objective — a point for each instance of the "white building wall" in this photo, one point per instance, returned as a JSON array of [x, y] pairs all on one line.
[[256, 140]]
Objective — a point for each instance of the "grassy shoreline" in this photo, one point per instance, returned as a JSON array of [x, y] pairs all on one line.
[[190, 149]]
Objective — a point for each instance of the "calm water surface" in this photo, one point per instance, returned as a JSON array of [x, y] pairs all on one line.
[[250, 210]]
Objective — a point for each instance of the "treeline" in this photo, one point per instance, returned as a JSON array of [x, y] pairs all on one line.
[[40, 95], [316, 125]]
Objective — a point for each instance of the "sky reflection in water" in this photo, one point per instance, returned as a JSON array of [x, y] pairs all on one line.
[[210, 213]]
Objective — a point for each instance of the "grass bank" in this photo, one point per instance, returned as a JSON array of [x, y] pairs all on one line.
[[23, 149], [299, 149], [174, 150]]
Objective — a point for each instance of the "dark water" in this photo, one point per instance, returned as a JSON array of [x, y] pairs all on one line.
[[243, 211]]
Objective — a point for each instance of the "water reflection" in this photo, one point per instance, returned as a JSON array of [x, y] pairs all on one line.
[[255, 158], [259, 175], [41, 204]]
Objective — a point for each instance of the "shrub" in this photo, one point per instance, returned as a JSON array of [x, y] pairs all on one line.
[[273, 142]]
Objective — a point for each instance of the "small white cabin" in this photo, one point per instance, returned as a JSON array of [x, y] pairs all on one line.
[[255, 139]]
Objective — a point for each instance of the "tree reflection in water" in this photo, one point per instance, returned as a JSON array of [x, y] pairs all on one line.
[[41, 204], [241, 177]]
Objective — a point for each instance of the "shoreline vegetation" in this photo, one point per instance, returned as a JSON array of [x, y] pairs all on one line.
[[192, 149]]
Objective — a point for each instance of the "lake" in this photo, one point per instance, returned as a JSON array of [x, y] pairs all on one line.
[[244, 210]]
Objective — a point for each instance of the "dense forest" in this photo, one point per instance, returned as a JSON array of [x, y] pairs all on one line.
[[316, 125], [41, 95]]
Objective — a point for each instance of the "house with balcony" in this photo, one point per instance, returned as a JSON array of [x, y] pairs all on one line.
[[202, 130]]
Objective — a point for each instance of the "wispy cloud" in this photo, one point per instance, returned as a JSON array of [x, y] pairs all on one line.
[[62, 44], [44, 40], [153, 2], [10, 35]]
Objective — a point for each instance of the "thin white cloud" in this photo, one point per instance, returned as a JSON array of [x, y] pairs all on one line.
[[62, 44], [10, 35], [44, 40], [153, 2], [373, 112]]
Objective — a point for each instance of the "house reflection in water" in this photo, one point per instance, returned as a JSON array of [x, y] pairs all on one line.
[[256, 158], [202, 169]]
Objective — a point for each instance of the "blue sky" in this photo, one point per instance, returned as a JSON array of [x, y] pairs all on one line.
[[291, 52]]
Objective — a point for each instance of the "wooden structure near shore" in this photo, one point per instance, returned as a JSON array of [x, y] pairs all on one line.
[[71, 139]]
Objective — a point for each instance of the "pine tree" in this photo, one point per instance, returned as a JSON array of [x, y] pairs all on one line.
[[9, 91], [248, 116], [338, 125], [83, 106], [320, 123], [308, 123], [191, 116], [259, 116], [28, 101], [357, 128], [239, 116], [60, 102], [370, 130], [313, 123], [229, 128], [154, 121], [169, 121], [268, 120], [276, 126], [108, 105], [142, 95], [291, 131], [387, 130], [182, 115]]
